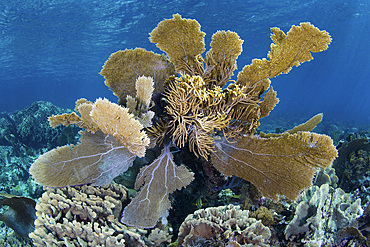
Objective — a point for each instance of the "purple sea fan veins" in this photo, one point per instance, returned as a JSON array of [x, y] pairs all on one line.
[[96, 160], [157, 181]]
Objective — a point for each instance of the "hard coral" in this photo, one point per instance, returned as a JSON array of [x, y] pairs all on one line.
[[88, 216], [223, 225], [322, 211], [75, 216]]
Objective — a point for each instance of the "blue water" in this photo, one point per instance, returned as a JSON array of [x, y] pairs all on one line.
[[53, 50]]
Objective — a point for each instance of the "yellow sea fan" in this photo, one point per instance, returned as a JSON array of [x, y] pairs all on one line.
[[97, 159], [83, 107], [115, 120], [123, 68], [131, 104], [181, 39], [282, 165], [80, 102], [87, 122], [268, 103], [155, 181], [226, 46], [286, 51], [309, 125]]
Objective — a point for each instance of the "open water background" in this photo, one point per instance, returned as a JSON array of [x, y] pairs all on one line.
[[54, 50]]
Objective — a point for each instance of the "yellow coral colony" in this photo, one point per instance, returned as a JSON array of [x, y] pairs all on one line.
[[201, 108]]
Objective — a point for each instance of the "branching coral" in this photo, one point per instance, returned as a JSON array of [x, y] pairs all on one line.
[[88, 216], [80, 217], [200, 109]]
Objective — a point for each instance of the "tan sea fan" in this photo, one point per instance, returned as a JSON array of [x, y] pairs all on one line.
[[278, 165], [288, 50], [181, 39], [123, 68]]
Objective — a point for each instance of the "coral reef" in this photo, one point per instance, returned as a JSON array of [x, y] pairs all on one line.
[[30, 127], [24, 135], [320, 213], [220, 226], [358, 235], [353, 167], [200, 111], [14, 241], [14, 175], [364, 224], [88, 216]]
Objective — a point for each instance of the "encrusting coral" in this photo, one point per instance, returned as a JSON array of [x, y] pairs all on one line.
[[201, 109]]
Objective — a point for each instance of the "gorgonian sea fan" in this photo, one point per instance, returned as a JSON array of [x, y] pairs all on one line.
[[200, 108]]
